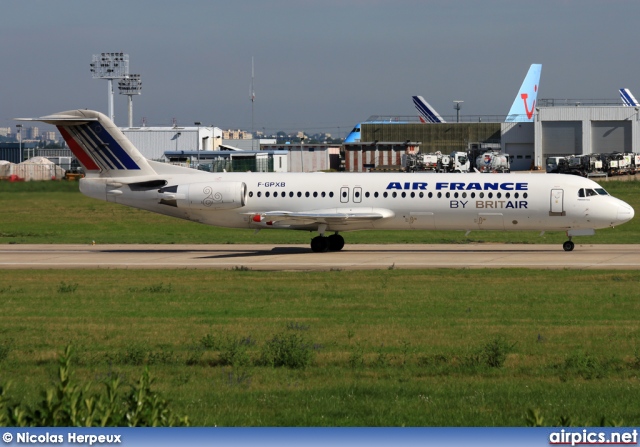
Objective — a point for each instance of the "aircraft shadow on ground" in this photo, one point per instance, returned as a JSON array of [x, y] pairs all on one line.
[[285, 250]]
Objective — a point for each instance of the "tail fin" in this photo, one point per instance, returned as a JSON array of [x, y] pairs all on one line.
[[627, 98], [524, 105], [100, 147], [427, 113]]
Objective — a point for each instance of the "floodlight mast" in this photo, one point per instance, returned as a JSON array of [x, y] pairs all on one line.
[[110, 66], [131, 85]]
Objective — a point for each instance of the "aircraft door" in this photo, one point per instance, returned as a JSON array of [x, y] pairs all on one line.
[[357, 194], [557, 203], [344, 194]]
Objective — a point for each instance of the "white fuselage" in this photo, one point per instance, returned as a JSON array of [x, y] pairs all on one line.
[[427, 201]]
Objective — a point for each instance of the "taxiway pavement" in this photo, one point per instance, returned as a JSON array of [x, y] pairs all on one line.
[[300, 257]]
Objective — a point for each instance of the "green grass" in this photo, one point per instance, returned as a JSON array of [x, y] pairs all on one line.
[[56, 213], [384, 348]]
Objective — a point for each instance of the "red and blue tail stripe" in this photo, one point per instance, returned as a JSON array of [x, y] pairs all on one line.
[[96, 148], [427, 113]]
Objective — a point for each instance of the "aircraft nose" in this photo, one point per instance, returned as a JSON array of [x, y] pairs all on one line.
[[625, 213]]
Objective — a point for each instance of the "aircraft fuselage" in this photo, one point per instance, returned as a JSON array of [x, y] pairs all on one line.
[[429, 201]]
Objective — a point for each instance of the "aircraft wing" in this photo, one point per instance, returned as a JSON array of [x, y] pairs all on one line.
[[334, 216]]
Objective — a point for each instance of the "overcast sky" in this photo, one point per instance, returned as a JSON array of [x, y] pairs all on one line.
[[318, 64]]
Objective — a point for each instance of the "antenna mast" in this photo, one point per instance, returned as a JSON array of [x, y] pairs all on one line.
[[253, 98]]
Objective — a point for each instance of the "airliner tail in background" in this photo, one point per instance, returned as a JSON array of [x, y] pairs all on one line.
[[427, 113], [524, 105], [627, 98]]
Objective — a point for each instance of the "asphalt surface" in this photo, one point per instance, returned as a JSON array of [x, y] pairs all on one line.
[[300, 257]]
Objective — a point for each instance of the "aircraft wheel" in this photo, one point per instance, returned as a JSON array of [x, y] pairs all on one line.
[[336, 242], [319, 244], [568, 246]]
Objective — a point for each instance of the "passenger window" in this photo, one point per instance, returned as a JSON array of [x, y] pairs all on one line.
[[421, 195], [404, 194], [439, 195], [250, 193], [375, 194], [315, 194], [331, 194], [413, 194], [366, 194], [291, 194], [394, 194], [266, 194], [430, 195], [259, 193], [384, 194], [299, 194], [324, 193], [306, 194]]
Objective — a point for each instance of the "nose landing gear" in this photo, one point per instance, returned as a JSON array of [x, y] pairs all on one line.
[[569, 245]]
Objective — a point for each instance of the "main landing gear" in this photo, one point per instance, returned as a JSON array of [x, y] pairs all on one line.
[[568, 245], [321, 244]]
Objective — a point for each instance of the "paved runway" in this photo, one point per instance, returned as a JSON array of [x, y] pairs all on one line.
[[300, 257]]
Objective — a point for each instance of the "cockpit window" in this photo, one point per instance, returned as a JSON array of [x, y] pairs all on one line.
[[586, 192]]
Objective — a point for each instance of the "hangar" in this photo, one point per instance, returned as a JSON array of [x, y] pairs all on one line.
[[560, 127], [590, 129]]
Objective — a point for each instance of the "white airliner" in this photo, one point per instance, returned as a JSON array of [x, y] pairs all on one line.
[[333, 202]]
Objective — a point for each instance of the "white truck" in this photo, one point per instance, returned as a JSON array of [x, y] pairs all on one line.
[[437, 162], [493, 161]]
